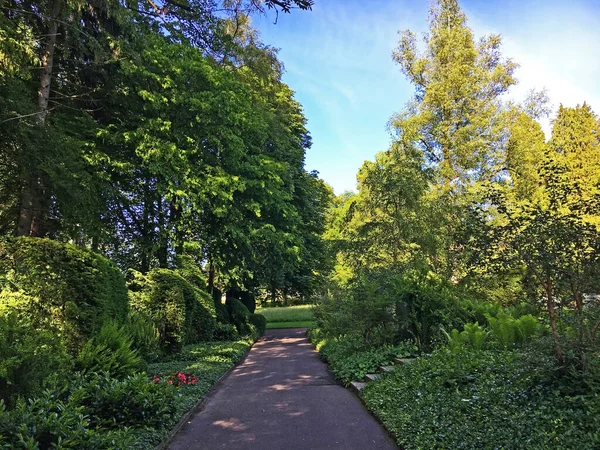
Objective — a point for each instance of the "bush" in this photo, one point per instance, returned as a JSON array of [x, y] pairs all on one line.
[[249, 301], [385, 308], [260, 322], [47, 422], [182, 313], [110, 351], [239, 315], [222, 313], [225, 332], [27, 357], [134, 401], [74, 291]]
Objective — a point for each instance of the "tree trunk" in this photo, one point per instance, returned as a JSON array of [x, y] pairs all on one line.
[[211, 277], [146, 230], [552, 314], [175, 216], [163, 240], [32, 210]]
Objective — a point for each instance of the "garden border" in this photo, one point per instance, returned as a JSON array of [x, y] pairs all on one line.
[[356, 393], [164, 444]]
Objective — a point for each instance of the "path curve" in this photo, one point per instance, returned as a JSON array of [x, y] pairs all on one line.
[[282, 397]]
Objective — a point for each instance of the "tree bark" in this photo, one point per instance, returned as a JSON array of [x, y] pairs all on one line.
[[552, 314], [32, 214], [163, 240], [211, 277]]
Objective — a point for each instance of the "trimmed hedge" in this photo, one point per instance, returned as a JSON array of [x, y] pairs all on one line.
[[259, 321], [183, 313], [73, 290]]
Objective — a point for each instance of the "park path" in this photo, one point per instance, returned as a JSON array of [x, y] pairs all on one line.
[[282, 397]]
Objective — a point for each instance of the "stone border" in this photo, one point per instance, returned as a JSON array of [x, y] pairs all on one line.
[[199, 406]]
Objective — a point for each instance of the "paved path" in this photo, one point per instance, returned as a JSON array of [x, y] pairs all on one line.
[[281, 397]]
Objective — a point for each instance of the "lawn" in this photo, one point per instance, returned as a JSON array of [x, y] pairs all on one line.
[[299, 324], [289, 316]]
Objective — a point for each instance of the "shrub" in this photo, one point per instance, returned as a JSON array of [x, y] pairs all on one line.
[[473, 335], [110, 351], [240, 316], [27, 357], [222, 313], [225, 332], [260, 322], [47, 422], [74, 290], [249, 301], [509, 331], [134, 401], [190, 272], [385, 308], [183, 314]]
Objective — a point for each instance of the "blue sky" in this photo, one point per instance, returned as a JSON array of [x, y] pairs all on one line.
[[338, 61]]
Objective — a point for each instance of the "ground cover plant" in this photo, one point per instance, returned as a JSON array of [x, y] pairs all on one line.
[[484, 399], [351, 361]]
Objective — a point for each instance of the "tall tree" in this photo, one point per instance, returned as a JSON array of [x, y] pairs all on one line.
[[454, 117]]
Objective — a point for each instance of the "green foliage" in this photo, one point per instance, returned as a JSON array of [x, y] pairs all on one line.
[[47, 422], [144, 335], [222, 313], [259, 321], [110, 351], [133, 401], [482, 399], [27, 357], [385, 308], [74, 291], [509, 331], [240, 316], [225, 332], [349, 362], [473, 336], [298, 313], [182, 313]]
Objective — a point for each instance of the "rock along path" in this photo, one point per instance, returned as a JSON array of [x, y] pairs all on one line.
[[282, 397]]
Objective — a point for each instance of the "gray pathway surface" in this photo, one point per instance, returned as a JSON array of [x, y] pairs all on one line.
[[282, 397]]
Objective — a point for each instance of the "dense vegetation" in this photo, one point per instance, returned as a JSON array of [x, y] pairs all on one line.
[[473, 242], [151, 163]]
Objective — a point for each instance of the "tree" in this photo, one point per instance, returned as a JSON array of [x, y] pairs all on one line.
[[454, 118]]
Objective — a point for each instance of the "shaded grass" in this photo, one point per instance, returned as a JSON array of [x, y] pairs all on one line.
[[208, 361], [301, 324], [301, 313]]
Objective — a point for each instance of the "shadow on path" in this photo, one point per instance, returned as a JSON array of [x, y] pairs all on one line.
[[282, 397]]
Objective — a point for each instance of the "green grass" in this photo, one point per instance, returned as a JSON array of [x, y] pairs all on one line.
[[302, 313], [208, 361], [299, 324]]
